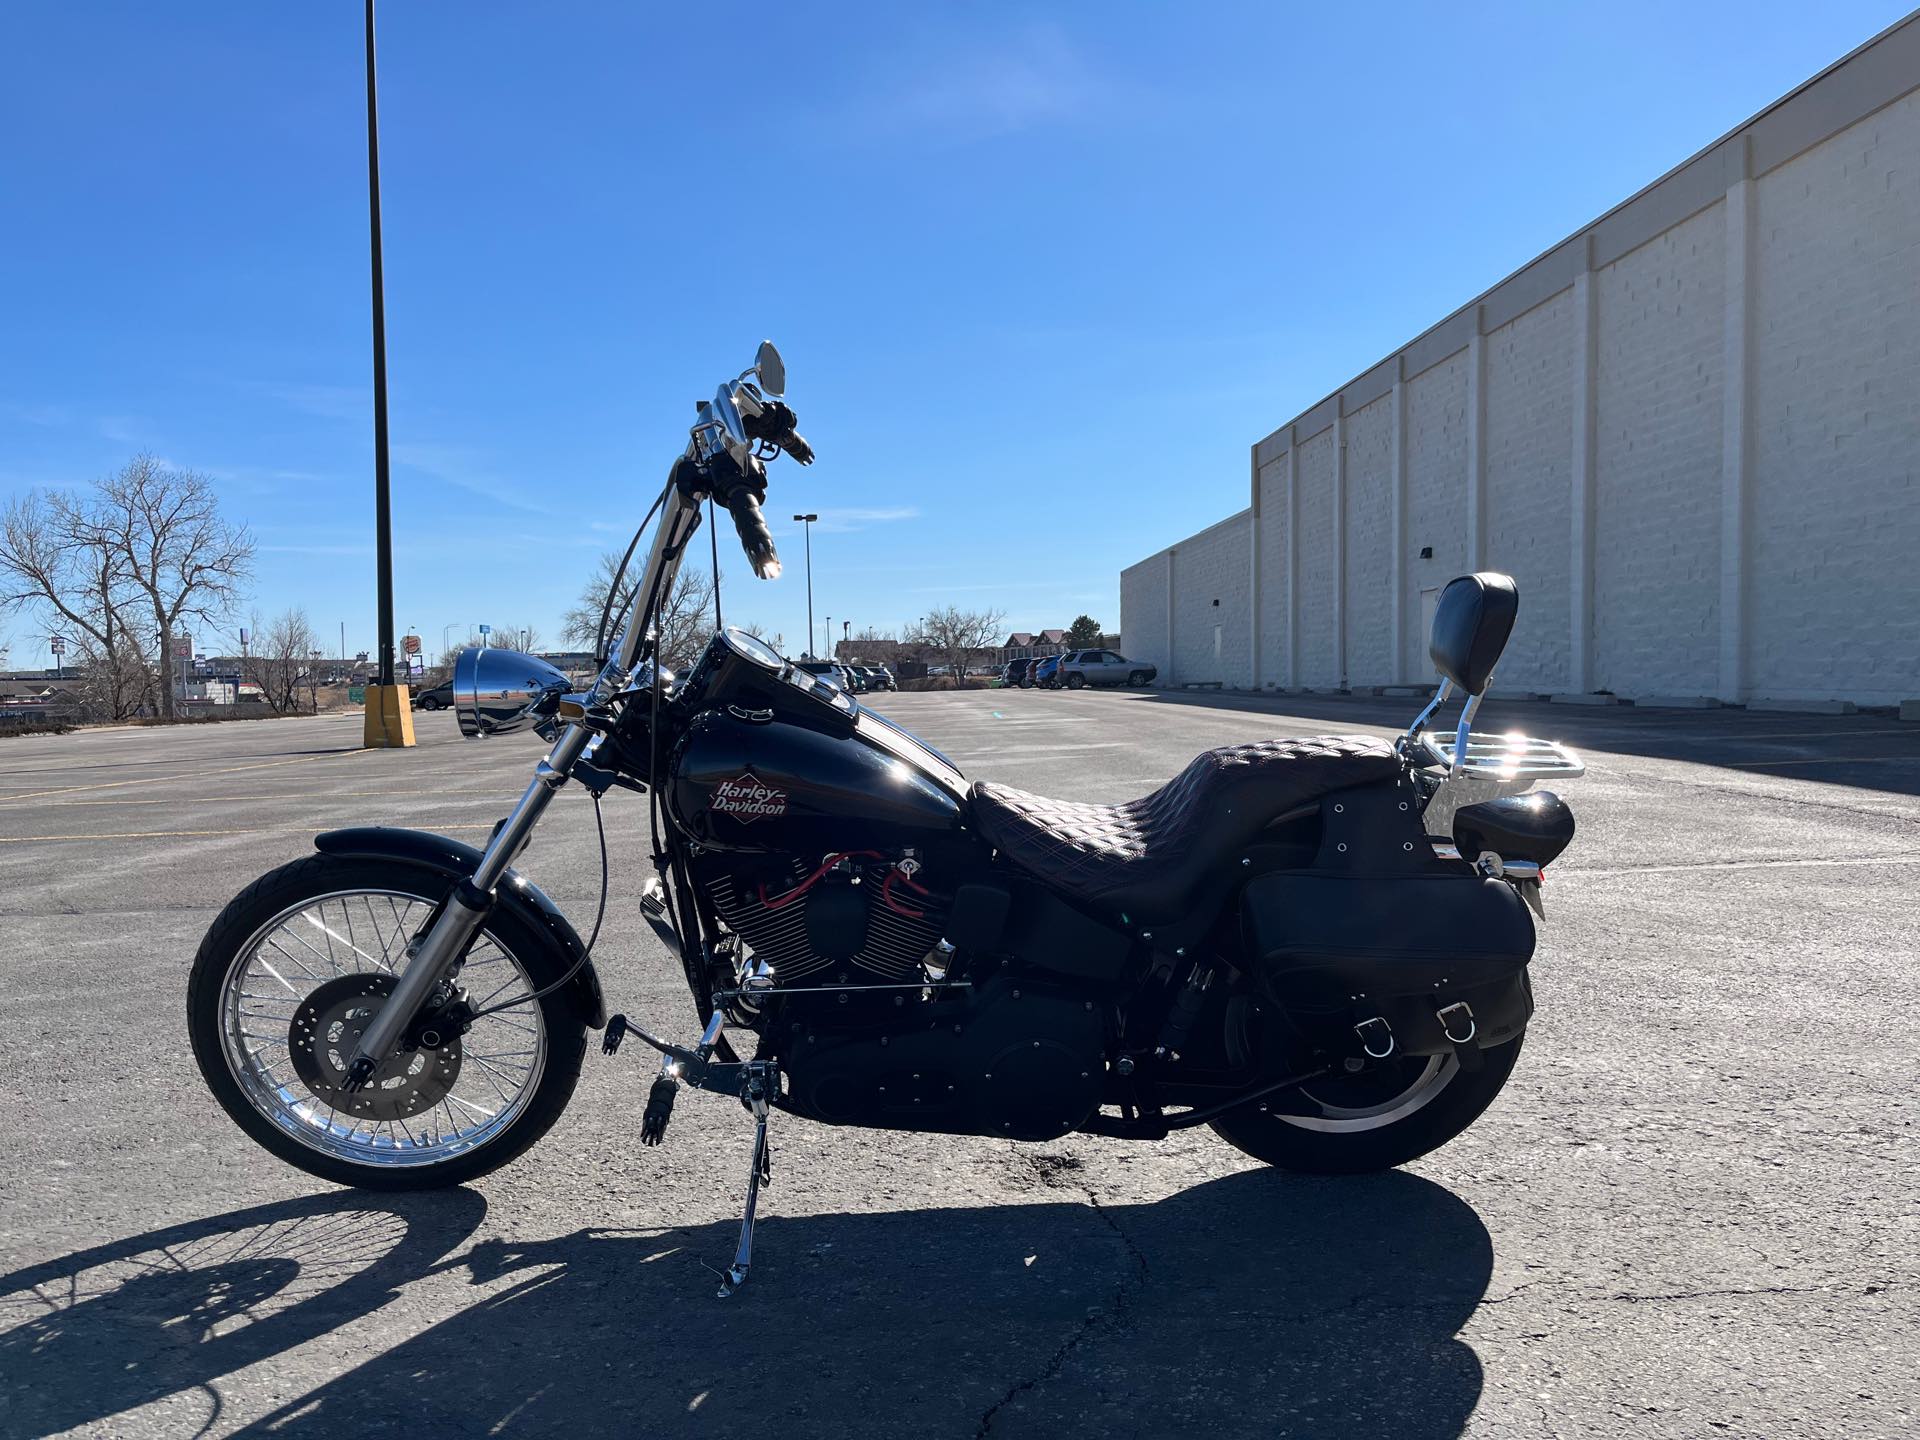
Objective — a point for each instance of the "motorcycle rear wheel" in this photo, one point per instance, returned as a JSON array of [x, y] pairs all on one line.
[[330, 924], [1384, 1118]]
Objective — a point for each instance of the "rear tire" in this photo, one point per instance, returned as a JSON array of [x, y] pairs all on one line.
[[429, 704], [1318, 1135], [293, 1128]]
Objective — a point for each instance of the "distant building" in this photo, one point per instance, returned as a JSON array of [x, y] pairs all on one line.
[[1024, 643]]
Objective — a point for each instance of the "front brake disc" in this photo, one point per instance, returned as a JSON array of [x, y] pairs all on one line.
[[326, 1029]]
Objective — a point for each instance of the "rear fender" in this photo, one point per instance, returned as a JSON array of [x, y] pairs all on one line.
[[457, 860]]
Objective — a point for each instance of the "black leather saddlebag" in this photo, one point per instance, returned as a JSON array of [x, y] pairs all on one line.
[[1339, 952]]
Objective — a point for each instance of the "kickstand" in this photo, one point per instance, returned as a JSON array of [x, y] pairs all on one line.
[[760, 1172]]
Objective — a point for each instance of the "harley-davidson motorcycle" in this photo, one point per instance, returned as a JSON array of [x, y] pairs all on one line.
[[1318, 947]]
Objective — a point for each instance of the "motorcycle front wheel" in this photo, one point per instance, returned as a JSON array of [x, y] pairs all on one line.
[[295, 967], [1382, 1117]]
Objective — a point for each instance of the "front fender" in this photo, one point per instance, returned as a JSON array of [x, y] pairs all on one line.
[[456, 860]]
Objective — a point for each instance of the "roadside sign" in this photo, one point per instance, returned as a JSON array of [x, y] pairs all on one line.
[[58, 645], [486, 630], [356, 694], [244, 637], [410, 644]]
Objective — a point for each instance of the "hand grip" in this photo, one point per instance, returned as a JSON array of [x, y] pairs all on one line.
[[755, 538]]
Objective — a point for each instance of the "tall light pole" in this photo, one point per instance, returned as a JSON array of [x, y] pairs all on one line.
[[829, 654], [389, 719], [806, 523]]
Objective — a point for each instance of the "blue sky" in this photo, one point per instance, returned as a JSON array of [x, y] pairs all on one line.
[[1041, 273]]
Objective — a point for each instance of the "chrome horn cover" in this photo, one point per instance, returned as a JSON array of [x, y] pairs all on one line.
[[496, 692]]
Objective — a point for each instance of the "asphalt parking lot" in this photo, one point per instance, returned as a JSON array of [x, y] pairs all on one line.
[[1693, 1211]]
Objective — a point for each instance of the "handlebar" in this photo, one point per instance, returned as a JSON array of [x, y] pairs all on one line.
[[736, 477], [755, 539]]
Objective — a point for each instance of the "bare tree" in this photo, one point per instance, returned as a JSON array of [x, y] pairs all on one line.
[[686, 615], [54, 564], [164, 531], [280, 659], [956, 634], [515, 637]]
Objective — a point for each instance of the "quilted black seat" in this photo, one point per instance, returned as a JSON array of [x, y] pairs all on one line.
[[1147, 857]]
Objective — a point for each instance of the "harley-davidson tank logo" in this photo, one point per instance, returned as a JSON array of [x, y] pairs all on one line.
[[747, 798]]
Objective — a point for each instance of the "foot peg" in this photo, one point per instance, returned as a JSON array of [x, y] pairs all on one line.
[[616, 1032], [653, 1120]]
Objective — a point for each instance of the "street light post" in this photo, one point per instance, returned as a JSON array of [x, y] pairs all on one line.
[[806, 523], [389, 718]]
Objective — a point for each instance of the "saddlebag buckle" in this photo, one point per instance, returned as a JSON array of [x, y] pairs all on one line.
[[1448, 1020], [1376, 1037], [1451, 1017]]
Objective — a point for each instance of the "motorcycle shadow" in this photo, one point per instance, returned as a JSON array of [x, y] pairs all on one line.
[[1258, 1304]]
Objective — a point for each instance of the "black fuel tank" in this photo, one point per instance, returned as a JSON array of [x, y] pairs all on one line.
[[753, 784]]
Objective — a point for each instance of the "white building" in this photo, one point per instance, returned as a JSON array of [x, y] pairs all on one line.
[[1691, 431]]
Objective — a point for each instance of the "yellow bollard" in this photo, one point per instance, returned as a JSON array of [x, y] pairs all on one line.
[[389, 718]]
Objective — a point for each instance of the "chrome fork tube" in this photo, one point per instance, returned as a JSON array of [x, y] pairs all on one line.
[[429, 962]]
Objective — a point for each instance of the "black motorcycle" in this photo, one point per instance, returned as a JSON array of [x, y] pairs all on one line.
[[1318, 947]]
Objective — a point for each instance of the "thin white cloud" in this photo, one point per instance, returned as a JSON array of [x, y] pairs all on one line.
[[981, 89], [28, 412], [846, 519], [467, 469], [328, 402]]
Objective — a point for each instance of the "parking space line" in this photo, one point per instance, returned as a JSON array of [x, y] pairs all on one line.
[[176, 834], [1823, 760], [192, 775], [491, 793]]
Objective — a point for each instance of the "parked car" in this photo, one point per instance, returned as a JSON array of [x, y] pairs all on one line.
[[1103, 667], [878, 677], [438, 698], [826, 670], [1046, 671], [1018, 672]]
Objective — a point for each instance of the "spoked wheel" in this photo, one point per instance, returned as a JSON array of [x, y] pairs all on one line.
[[297, 966], [1386, 1115]]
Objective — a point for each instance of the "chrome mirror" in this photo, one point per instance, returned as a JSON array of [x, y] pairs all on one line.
[[496, 692], [771, 369]]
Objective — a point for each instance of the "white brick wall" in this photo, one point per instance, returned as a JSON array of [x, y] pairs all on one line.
[[1529, 472], [1436, 482], [1725, 444], [1656, 575], [1273, 572], [1369, 608], [1318, 668], [1212, 567], [1835, 598], [1143, 611]]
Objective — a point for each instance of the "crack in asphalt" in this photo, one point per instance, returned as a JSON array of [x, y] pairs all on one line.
[[1050, 1171]]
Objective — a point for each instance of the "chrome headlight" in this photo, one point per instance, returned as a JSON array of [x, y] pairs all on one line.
[[496, 692]]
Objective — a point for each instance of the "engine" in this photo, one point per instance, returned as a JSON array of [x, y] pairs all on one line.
[[857, 920]]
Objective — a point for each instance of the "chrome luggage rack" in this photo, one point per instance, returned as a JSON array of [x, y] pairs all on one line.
[[1511, 756]]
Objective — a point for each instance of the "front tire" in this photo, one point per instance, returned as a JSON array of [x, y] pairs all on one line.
[[268, 1017], [1377, 1120], [429, 704], [1076, 681], [1137, 678]]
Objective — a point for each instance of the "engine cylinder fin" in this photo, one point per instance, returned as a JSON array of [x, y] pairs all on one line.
[[892, 951]]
